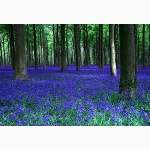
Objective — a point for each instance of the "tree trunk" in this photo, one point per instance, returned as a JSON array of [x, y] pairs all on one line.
[[117, 45], [138, 50], [128, 60], [67, 44], [143, 56], [28, 60], [101, 46], [47, 53], [1, 57], [113, 70], [73, 53], [20, 65], [54, 47], [77, 45], [149, 48], [12, 46], [41, 44], [39, 50], [44, 50], [136, 42], [97, 49], [35, 48], [8, 53], [80, 55], [63, 52], [4, 52], [57, 47], [87, 46]]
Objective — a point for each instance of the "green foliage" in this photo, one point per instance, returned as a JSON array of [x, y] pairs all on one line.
[[114, 98]]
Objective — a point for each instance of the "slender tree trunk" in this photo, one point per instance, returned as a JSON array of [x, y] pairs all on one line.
[[87, 47], [117, 45], [41, 44], [80, 55], [63, 52], [94, 55], [149, 47], [143, 56], [4, 51], [20, 65], [97, 49], [35, 48], [138, 50], [39, 50], [54, 45], [136, 42], [57, 47], [128, 60], [113, 70], [77, 45], [28, 60], [44, 50], [51, 57], [73, 52], [101, 46], [30, 55], [47, 53], [12, 46], [1, 57], [67, 44], [8, 53]]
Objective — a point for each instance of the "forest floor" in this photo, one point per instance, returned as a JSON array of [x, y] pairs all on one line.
[[88, 97]]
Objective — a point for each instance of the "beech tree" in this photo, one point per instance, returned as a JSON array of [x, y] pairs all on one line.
[[20, 61], [44, 49], [127, 60], [12, 46], [113, 70], [143, 54], [35, 48], [63, 52], [54, 45], [77, 45]]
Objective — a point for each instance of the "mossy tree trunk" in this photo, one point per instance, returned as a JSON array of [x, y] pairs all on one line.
[[20, 64], [128, 61]]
